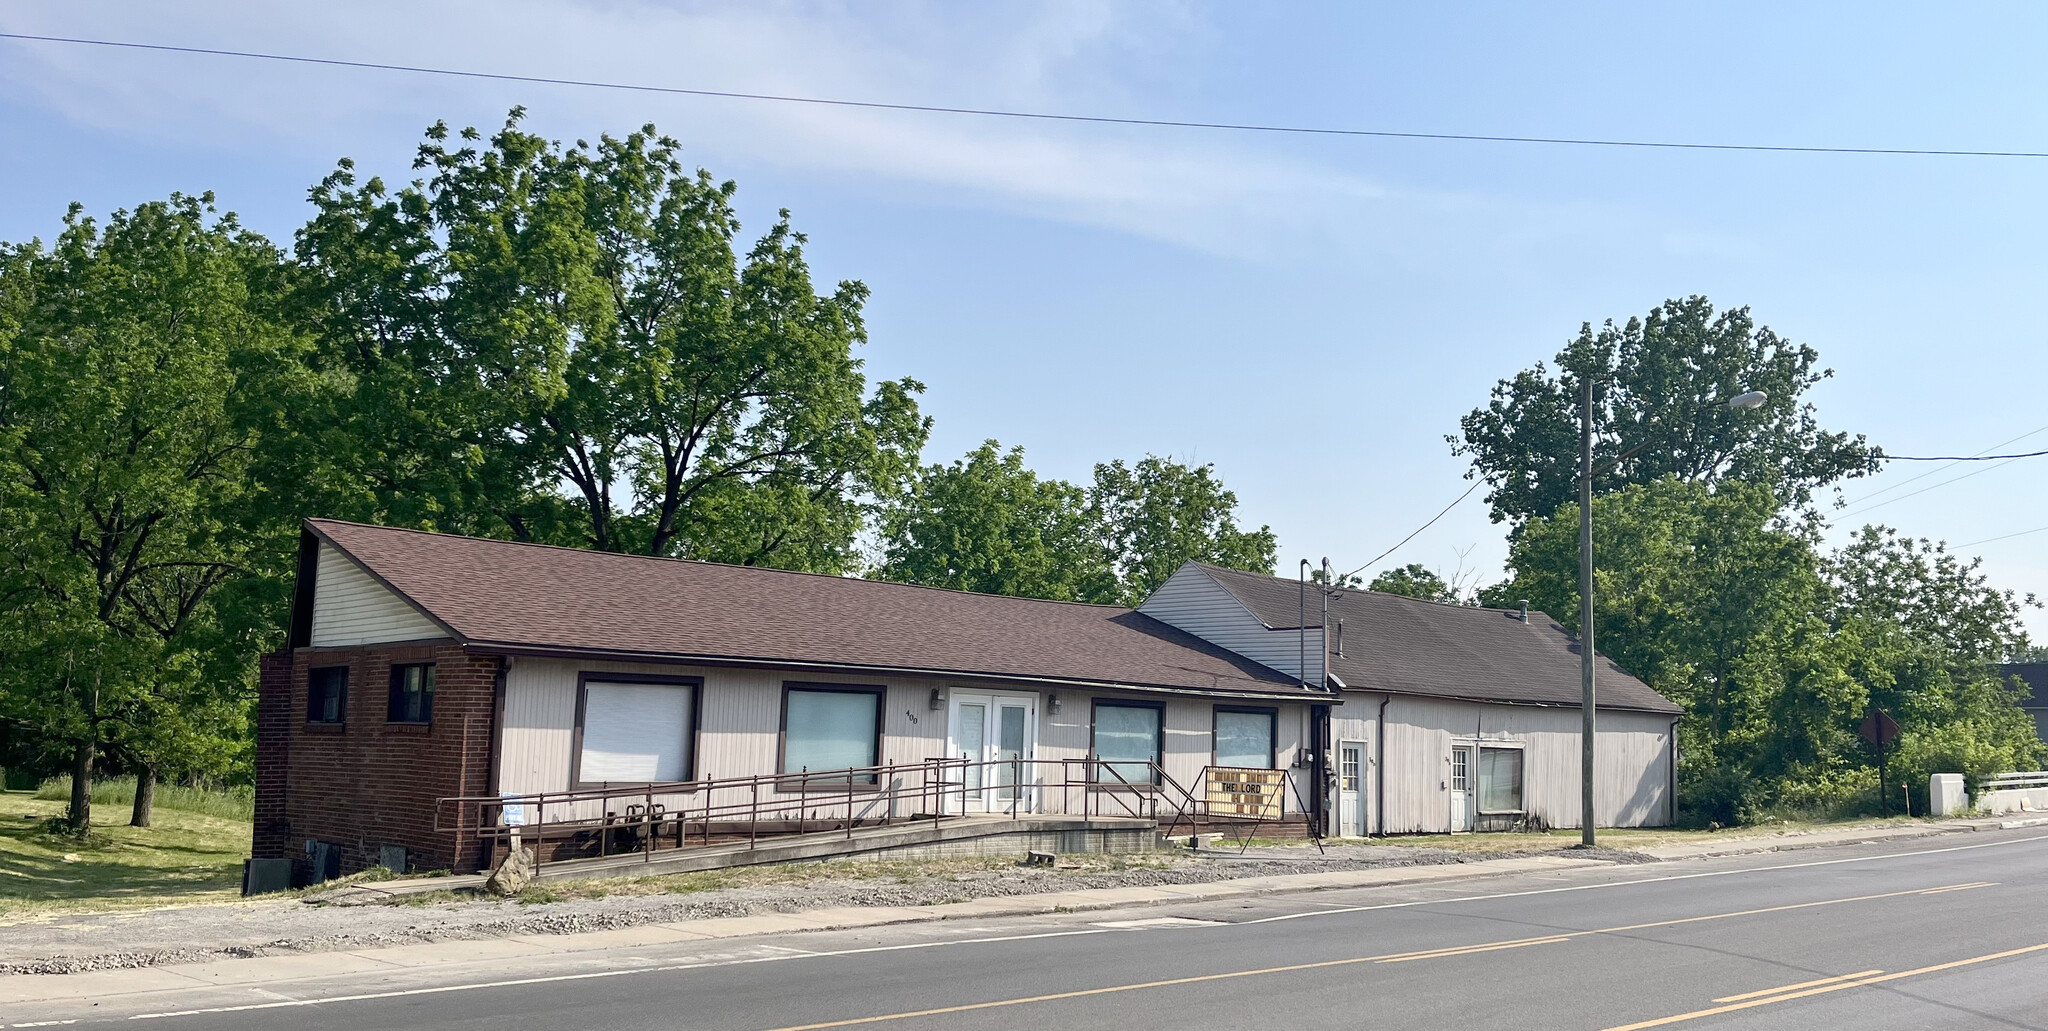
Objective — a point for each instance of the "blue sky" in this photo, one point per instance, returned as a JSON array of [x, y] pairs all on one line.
[[1312, 314]]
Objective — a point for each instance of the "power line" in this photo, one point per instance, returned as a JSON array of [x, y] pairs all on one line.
[[1962, 458], [2008, 536], [1031, 115], [1418, 530], [1914, 479], [1932, 486]]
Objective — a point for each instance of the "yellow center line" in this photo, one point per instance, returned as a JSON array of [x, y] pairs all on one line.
[[1391, 957], [1470, 949], [1858, 983], [1959, 887], [1791, 987]]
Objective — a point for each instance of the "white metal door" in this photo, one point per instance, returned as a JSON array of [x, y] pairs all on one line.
[[1351, 789], [997, 735], [1461, 789]]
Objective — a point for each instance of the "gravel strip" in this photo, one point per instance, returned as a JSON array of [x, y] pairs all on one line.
[[63, 944]]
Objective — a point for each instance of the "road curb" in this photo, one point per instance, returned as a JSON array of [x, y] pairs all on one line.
[[19, 988]]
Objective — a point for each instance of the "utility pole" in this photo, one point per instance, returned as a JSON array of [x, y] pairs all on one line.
[[1587, 835]]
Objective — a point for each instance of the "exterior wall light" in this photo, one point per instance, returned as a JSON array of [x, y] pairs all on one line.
[[938, 700]]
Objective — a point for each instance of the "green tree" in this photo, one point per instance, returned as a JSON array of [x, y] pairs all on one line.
[[987, 523], [1720, 602], [135, 373], [1414, 581], [1157, 514], [1660, 381], [532, 330]]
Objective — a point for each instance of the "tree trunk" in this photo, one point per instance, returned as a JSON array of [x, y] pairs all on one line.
[[145, 796], [81, 787]]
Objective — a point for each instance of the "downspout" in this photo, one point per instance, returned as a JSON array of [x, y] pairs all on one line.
[[497, 724], [1379, 777], [491, 750], [1671, 789]]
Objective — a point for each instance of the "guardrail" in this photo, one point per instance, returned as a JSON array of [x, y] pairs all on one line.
[[2010, 781], [626, 818]]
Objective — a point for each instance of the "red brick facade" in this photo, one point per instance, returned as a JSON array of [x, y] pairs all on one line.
[[366, 783]]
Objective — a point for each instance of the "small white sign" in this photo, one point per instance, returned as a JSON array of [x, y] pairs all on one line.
[[514, 814]]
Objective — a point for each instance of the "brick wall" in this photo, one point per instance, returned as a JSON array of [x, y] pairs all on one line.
[[273, 754], [366, 783]]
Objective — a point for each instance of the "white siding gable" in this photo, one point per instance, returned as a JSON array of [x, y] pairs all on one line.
[[1191, 600], [350, 607]]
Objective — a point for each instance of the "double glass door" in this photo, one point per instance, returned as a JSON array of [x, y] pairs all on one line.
[[996, 735]]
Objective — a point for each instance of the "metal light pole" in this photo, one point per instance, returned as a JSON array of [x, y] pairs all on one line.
[[1586, 735], [1741, 402]]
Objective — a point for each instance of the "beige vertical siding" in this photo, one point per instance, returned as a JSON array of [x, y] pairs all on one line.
[[1633, 776], [1192, 601], [350, 608], [740, 713]]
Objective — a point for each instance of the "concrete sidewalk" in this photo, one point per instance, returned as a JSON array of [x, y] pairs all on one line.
[[25, 988]]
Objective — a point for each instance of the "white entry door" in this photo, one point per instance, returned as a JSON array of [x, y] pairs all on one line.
[[1351, 789], [1461, 789], [998, 736]]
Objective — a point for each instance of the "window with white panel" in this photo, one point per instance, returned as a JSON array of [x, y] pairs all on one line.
[[635, 732]]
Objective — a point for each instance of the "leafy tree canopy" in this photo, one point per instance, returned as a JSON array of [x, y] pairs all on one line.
[[986, 523], [1414, 580], [562, 344], [1158, 514], [139, 374], [1660, 387]]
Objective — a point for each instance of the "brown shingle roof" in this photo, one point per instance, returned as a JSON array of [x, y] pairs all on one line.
[[534, 597], [1409, 646]]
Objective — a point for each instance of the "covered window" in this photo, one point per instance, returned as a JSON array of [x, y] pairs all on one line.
[[635, 732], [1500, 780], [327, 694], [1244, 737], [831, 728], [412, 694], [1128, 737]]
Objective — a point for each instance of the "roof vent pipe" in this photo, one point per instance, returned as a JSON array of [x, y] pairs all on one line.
[[1525, 610], [1340, 638]]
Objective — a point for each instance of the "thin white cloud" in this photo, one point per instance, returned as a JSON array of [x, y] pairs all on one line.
[[1199, 192]]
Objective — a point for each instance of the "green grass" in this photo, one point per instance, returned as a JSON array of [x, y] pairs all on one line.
[[961, 869], [235, 803], [188, 857]]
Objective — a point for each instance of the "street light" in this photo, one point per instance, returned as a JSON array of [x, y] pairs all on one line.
[[1741, 403]]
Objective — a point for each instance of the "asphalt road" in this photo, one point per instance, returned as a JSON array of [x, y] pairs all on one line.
[[1935, 933]]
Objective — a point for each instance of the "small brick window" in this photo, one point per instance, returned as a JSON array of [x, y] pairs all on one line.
[[327, 694], [412, 694]]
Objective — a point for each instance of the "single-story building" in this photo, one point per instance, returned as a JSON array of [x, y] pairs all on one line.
[[423, 668], [1453, 717]]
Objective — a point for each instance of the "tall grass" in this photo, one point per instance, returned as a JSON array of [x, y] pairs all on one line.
[[234, 803]]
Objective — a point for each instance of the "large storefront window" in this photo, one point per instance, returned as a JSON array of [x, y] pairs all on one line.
[[831, 728], [635, 733], [1128, 737], [1500, 780], [1244, 738]]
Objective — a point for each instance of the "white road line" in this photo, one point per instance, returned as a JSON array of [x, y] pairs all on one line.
[[1636, 881], [784, 957]]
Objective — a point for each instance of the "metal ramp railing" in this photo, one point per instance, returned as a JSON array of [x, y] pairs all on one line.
[[622, 819]]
